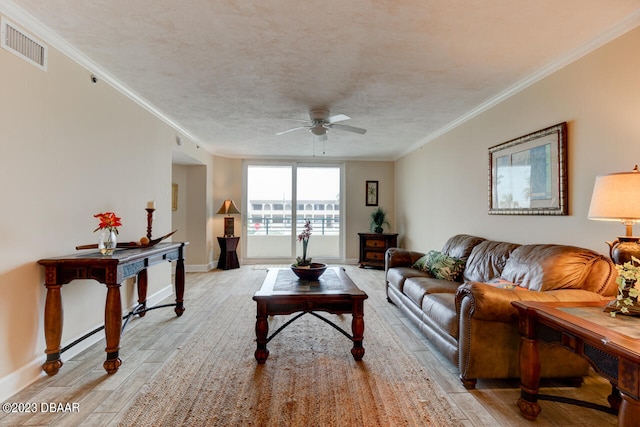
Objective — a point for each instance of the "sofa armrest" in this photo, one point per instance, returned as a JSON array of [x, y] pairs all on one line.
[[398, 257], [486, 302]]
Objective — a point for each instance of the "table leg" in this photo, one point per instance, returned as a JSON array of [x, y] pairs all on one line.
[[53, 318], [179, 286], [112, 328], [142, 291], [222, 259], [614, 398], [357, 329], [529, 378], [629, 411], [262, 329]]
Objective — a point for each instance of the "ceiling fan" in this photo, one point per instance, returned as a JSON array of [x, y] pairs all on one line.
[[320, 122]]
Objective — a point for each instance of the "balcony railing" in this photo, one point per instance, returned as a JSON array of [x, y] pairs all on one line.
[[260, 226]]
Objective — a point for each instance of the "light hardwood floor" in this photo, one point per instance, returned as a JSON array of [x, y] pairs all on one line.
[[103, 399]]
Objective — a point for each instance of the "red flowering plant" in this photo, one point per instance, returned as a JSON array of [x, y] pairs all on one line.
[[109, 221], [304, 238]]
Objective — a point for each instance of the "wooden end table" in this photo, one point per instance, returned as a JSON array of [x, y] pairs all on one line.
[[228, 255], [373, 247], [610, 344], [283, 293]]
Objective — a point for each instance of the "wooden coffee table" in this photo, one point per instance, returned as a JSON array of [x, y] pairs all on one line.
[[611, 345], [283, 293]]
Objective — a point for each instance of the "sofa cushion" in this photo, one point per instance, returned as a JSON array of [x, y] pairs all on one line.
[[441, 266], [487, 260], [417, 287], [441, 310], [396, 276], [548, 267], [461, 245]]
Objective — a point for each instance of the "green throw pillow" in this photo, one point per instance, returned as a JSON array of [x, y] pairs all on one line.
[[441, 266], [421, 264]]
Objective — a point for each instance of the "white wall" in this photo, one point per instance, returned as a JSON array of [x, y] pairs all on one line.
[[441, 188], [357, 173], [68, 150], [227, 185]]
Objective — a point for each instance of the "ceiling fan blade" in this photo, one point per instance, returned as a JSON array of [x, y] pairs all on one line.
[[338, 118], [292, 129], [349, 128]]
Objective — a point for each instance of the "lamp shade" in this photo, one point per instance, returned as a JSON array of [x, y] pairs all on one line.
[[228, 208], [616, 197]]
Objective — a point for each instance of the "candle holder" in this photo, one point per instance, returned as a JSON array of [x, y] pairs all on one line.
[[149, 221]]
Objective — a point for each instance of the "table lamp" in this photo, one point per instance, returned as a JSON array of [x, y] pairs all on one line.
[[616, 197], [228, 208]]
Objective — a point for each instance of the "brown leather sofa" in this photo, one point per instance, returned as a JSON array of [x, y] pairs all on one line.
[[471, 321]]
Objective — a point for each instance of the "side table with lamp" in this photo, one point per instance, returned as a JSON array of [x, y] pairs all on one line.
[[616, 197], [228, 243], [609, 343]]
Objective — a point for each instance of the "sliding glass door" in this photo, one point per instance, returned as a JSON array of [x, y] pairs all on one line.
[[318, 200], [269, 211], [280, 198]]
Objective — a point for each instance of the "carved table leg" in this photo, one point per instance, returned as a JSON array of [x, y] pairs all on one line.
[[629, 411], [529, 378], [357, 329], [179, 287], [262, 329], [53, 318], [112, 328], [142, 291], [614, 398]]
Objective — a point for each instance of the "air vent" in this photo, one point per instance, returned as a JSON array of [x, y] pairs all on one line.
[[23, 45]]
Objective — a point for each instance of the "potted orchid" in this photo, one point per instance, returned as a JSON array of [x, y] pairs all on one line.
[[303, 267], [108, 225], [304, 238]]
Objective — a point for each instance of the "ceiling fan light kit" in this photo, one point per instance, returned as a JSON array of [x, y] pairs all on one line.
[[317, 129]]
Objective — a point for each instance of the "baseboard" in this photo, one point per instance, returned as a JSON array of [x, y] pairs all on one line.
[[199, 268], [23, 377], [32, 371]]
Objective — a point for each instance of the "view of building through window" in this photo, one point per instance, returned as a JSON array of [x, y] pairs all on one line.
[[271, 208]]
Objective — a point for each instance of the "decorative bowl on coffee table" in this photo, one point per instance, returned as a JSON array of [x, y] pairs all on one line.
[[309, 272]]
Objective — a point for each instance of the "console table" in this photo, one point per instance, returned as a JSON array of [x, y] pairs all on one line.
[[611, 345], [111, 270], [373, 246]]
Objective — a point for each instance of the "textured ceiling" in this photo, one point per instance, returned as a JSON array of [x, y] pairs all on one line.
[[231, 74]]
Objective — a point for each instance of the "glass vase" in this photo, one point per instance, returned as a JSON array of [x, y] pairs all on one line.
[[107, 241]]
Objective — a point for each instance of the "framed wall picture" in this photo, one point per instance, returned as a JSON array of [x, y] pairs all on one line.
[[528, 175], [372, 193], [174, 197]]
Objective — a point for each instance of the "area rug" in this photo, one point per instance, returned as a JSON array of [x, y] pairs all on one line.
[[309, 379]]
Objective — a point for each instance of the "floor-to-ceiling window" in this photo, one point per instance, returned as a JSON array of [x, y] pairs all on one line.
[[280, 198]]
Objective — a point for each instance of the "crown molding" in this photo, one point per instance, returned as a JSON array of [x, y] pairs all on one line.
[[626, 25], [28, 22]]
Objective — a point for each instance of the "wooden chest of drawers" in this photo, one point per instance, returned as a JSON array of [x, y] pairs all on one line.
[[373, 246]]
